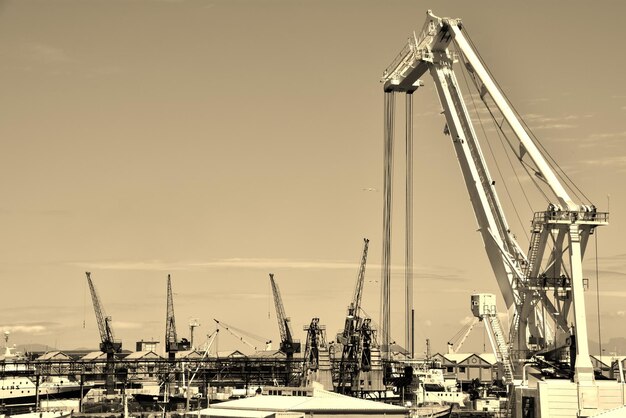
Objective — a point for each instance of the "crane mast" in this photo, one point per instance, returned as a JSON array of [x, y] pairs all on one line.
[[171, 342], [538, 282], [287, 344]]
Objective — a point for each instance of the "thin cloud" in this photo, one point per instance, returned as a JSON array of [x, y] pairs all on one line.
[[47, 54], [606, 139], [554, 126], [34, 328], [419, 272], [128, 325], [249, 263], [617, 162]]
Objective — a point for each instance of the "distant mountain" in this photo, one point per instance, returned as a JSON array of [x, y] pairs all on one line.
[[34, 348]]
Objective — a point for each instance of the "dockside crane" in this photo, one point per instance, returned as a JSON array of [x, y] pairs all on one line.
[[288, 345], [172, 345], [108, 344], [352, 360], [544, 287], [317, 365]]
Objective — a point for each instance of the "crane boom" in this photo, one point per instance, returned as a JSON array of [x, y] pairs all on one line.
[[358, 288]]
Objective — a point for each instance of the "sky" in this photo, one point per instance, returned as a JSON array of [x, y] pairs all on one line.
[[219, 141]]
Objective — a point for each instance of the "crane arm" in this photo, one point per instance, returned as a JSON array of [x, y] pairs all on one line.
[[285, 334], [465, 332], [105, 331], [526, 142], [358, 288]]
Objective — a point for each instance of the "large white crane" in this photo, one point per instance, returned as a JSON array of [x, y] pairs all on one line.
[[548, 280]]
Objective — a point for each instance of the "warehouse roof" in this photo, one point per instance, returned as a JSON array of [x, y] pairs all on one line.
[[321, 401]]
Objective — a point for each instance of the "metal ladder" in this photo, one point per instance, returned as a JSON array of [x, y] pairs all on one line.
[[502, 347]]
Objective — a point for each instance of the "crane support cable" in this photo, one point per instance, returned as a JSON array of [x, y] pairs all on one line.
[[525, 165], [234, 331], [387, 209], [560, 172], [598, 292], [493, 156], [530, 146], [408, 259], [500, 132]]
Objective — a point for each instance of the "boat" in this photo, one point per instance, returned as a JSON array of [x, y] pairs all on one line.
[[433, 388], [41, 414], [17, 388], [430, 411]]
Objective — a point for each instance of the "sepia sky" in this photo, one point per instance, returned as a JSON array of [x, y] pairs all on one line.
[[219, 141]]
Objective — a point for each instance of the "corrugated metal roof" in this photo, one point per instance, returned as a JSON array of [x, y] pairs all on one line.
[[54, 355], [222, 412], [143, 355], [94, 355], [321, 401], [461, 357]]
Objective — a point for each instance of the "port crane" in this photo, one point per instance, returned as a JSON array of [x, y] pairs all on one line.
[[239, 334], [172, 345], [543, 286], [353, 356], [317, 366], [108, 344], [288, 345]]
